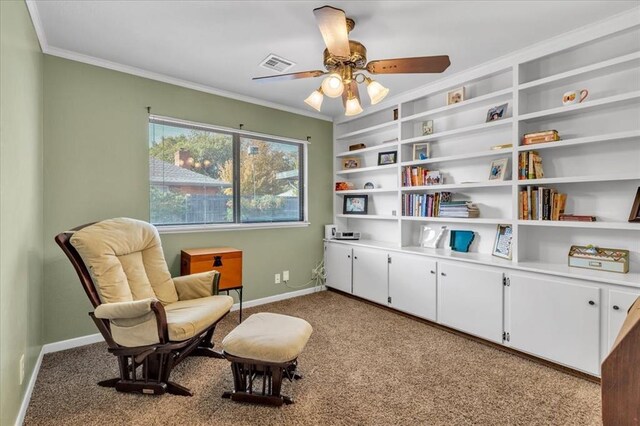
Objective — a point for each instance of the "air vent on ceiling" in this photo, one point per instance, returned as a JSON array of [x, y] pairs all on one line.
[[276, 63]]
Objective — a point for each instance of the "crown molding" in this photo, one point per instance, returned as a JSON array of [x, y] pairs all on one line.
[[139, 72]]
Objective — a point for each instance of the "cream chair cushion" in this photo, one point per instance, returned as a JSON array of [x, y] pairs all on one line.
[[268, 337], [187, 318], [125, 259]]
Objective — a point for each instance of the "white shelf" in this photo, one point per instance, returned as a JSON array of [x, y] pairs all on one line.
[[461, 131], [576, 224], [472, 155], [486, 184], [367, 216], [378, 128], [367, 169], [577, 179], [564, 270], [610, 137], [608, 66], [461, 106], [381, 147], [622, 99], [366, 191], [478, 220]]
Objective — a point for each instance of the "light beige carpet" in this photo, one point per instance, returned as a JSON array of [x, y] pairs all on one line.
[[362, 366]]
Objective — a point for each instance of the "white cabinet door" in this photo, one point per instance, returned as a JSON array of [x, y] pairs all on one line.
[[337, 263], [370, 274], [619, 304], [412, 285], [470, 299], [557, 320]]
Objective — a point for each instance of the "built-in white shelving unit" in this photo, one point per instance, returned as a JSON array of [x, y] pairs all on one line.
[[597, 162]]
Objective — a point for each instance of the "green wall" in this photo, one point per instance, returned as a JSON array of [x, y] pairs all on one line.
[[21, 209], [96, 154]]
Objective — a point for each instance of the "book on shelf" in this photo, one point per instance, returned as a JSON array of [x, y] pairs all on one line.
[[530, 165], [576, 218], [540, 137], [420, 176], [541, 203]]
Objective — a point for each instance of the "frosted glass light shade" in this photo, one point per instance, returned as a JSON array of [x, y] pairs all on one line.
[[332, 85], [376, 91], [352, 107], [315, 99]]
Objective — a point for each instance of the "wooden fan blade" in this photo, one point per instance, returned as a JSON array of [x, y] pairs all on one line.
[[423, 64], [333, 27], [353, 86], [291, 76]]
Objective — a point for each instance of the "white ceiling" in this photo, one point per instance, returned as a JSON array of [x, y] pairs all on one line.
[[219, 44]]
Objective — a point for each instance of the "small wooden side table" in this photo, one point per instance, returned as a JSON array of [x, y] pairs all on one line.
[[226, 260]]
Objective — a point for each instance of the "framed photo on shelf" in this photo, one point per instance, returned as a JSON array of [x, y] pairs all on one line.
[[502, 245], [369, 185], [350, 163], [427, 127], [420, 151], [355, 204], [455, 96], [634, 216], [389, 157], [499, 169], [497, 112]]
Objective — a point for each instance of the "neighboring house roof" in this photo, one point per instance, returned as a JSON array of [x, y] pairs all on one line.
[[163, 173], [289, 174]]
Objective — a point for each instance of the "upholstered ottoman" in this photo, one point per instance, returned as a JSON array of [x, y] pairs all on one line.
[[266, 345]]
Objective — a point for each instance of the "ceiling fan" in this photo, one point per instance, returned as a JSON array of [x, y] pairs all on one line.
[[346, 60]]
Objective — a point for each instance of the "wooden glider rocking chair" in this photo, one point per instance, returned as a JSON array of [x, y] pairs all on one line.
[[150, 321]]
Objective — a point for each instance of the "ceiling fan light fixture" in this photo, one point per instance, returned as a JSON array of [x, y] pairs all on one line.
[[332, 85], [376, 91], [315, 99], [352, 106]]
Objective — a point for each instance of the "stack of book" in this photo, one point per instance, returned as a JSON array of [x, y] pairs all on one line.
[[540, 203], [424, 205], [462, 209], [577, 218], [419, 176], [540, 137], [530, 165]]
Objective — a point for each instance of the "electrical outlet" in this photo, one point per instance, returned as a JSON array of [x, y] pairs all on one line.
[[277, 278], [285, 276], [22, 369]]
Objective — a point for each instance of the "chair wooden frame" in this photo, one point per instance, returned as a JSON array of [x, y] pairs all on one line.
[[156, 361]]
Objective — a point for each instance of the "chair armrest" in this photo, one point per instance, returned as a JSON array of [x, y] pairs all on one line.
[[135, 312], [198, 285]]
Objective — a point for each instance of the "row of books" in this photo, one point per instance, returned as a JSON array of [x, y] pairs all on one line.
[[530, 165], [540, 203], [437, 205], [419, 176]]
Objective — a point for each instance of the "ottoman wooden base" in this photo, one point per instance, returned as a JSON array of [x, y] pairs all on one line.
[[260, 382]]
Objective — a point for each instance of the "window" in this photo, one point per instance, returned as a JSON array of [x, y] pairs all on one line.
[[202, 175]]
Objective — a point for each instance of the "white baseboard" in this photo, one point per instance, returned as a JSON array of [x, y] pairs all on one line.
[[95, 338]]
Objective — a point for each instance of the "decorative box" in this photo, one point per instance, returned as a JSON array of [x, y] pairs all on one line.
[[357, 146], [603, 259]]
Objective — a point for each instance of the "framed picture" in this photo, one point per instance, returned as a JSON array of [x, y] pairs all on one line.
[[350, 163], [421, 151], [499, 169], [389, 157], [634, 216], [502, 245], [455, 96], [427, 127], [355, 204], [498, 112], [369, 185], [395, 114]]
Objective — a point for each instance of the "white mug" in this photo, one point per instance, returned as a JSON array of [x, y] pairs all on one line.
[[574, 96]]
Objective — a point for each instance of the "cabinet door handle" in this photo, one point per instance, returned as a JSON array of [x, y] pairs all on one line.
[[433, 272], [591, 302], [443, 274], [355, 257], [349, 256], [616, 307]]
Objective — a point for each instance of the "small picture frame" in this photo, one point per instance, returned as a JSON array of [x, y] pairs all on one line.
[[389, 157], [497, 112], [427, 127], [502, 245], [395, 114], [369, 185], [355, 204], [350, 163], [421, 151], [499, 169], [634, 216], [455, 96]]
